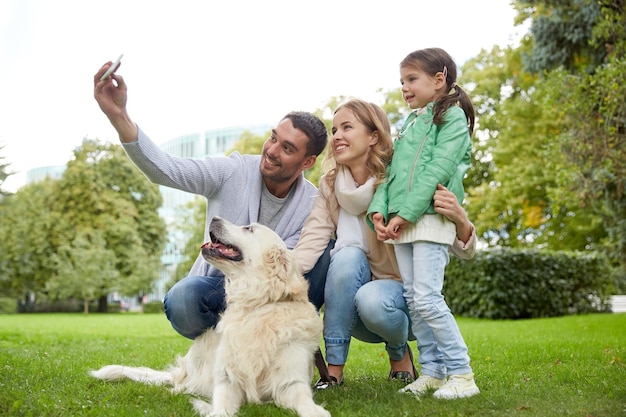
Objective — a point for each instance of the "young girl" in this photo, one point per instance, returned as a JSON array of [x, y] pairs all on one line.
[[432, 148]]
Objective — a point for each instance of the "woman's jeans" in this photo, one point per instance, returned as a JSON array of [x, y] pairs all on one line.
[[442, 350], [371, 311], [195, 303]]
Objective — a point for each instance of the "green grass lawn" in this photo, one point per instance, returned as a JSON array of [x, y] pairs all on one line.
[[567, 366]]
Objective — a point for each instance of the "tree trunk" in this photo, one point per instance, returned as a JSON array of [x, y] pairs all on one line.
[[85, 306], [102, 304]]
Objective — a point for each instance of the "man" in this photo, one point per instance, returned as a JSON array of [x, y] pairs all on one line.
[[269, 189]]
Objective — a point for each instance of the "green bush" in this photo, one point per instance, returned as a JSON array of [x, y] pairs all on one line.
[[51, 306], [509, 283], [8, 305], [69, 305], [153, 307]]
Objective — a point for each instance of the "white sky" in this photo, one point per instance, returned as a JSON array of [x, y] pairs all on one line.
[[193, 65]]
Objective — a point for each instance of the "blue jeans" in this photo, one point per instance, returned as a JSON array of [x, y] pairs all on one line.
[[383, 316], [371, 311], [347, 272], [442, 350], [195, 303]]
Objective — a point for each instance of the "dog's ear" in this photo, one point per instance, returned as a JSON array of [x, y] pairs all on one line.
[[287, 282]]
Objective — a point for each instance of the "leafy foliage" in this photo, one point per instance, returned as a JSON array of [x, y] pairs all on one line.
[[102, 190], [192, 226], [30, 233], [584, 91], [95, 230], [4, 174], [548, 154], [86, 269], [507, 185], [519, 284], [561, 32], [249, 143], [594, 146], [8, 305]]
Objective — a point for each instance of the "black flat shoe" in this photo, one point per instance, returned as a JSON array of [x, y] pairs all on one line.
[[333, 383], [404, 376]]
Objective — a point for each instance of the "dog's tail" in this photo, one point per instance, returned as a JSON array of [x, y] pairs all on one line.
[[140, 374]]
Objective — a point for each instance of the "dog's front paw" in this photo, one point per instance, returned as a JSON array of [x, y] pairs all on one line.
[[202, 407], [313, 411], [206, 410], [219, 413]]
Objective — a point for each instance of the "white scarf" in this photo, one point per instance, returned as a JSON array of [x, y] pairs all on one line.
[[354, 199], [353, 203]]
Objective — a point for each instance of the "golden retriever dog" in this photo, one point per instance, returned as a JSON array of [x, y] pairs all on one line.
[[263, 347]]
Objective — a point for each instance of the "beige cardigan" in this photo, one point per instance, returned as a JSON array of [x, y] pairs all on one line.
[[321, 226]]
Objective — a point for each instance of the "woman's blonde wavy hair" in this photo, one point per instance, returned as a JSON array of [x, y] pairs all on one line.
[[375, 119]]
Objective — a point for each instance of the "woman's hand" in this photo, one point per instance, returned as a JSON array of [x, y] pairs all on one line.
[[395, 226], [447, 204]]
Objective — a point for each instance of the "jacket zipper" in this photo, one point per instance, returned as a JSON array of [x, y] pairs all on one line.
[[417, 154]]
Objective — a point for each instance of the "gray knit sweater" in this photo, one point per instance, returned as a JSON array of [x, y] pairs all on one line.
[[231, 185]]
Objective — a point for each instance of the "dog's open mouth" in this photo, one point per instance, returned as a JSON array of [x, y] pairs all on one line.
[[217, 249]]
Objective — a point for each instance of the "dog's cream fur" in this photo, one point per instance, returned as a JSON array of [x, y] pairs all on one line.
[[263, 346]]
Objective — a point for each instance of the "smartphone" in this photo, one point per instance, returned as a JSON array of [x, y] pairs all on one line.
[[112, 68]]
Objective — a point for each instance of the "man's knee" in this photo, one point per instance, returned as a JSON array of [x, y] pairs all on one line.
[[194, 304]]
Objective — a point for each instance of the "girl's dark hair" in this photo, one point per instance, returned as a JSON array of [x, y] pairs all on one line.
[[432, 61]]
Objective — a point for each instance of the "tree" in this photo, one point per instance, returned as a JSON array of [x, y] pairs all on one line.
[[588, 88], [249, 143], [561, 31], [105, 200], [95, 230], [4, 174], [191, 226], [30, 233], [594, 148], [516, 185], [86, 269], [507, 184]]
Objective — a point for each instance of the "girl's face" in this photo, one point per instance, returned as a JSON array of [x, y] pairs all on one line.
[[351, 140], [418, 87]]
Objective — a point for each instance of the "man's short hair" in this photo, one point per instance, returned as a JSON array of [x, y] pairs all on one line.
[[312, 127]]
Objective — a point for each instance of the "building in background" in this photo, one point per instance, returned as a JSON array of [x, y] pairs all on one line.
[[41, 173]]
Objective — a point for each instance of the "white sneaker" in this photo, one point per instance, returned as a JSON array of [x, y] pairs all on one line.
[[422, 384], [458, 386]]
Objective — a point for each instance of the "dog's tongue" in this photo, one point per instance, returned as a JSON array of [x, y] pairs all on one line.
[[223, 249]]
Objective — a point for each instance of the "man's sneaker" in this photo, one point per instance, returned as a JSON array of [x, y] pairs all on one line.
[[458, 386], [422, 384]]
